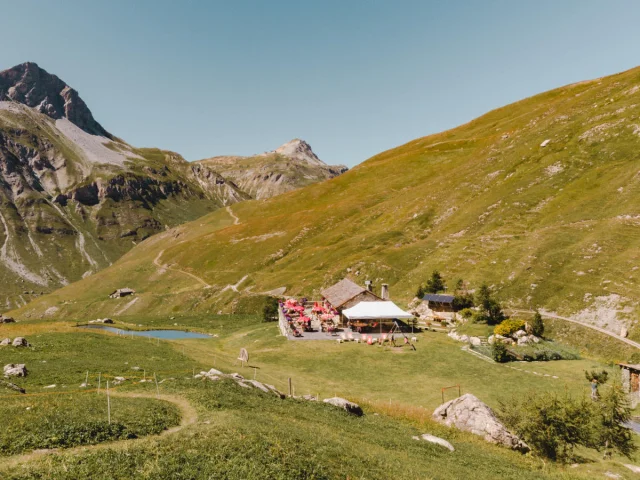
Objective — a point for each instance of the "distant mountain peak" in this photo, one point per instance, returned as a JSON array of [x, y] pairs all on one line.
[[34, 87], [297, 150]]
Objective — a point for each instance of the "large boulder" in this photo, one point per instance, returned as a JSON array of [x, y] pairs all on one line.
[[4, 319], [20, 342], [346, 405], [469, 414], [15, 370], [5, 342], [475, 341]]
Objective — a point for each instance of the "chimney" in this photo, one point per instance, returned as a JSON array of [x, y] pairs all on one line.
[[385, 291], [368, 285]]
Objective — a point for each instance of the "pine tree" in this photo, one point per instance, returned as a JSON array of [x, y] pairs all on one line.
[[537, 325], [436, 283]]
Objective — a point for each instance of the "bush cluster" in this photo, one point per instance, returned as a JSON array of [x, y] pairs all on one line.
[[553, 426], [508, 327]]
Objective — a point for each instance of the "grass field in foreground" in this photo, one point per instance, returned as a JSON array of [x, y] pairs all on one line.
[[244, 434]]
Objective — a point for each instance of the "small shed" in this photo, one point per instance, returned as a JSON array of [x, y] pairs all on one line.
[[122, 292], [438, 302], [631, 381], [346, 294]]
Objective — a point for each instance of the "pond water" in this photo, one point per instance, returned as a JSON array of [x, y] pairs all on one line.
[[162, 334]]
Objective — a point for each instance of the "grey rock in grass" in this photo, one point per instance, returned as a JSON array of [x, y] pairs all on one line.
[[346, 405], [475, 341], [4, 319], [118, 380], [437, 440], [469, 414], [15, 370], [5, 342], [20, 342]]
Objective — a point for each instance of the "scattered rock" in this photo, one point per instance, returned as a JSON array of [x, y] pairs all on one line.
[[545, 143], [437, 440], [624, 332], [15, 370], [475, 341], [469, 414], [20, 342], [5, 342], [310, 398], [118, 380], [101, 320], [12, 386], [137, 369], [633, 468], [51, 386], [349, 407]]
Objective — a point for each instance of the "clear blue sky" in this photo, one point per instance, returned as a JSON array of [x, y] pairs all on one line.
[[353, 78]]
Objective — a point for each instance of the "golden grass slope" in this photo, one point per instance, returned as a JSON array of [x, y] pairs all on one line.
[[553, 226]]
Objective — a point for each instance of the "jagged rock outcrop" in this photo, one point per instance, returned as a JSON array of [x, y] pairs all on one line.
[[34, 87], [15, 370], [469, 414]]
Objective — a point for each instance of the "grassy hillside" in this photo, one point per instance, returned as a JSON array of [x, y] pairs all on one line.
[[551, 226], [226, 431]]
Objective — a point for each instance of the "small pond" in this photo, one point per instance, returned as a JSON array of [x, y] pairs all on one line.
[[162, 334]]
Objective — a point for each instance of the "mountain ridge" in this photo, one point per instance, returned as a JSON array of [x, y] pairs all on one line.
[[540, 199], [74, 197]]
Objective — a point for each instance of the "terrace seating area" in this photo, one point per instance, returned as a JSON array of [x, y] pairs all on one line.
[[303, 318]]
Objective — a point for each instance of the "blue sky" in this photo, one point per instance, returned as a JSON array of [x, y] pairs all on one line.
[[353, 78]]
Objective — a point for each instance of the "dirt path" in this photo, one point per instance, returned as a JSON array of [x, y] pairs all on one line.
[[156, 262], [188, 416], [236, 220], [592, 327]]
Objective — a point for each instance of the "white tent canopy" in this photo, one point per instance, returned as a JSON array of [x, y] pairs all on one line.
[[375, 311]]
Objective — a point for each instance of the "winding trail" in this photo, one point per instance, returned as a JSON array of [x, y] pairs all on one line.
[[188, 416], [592, 327], [236, 220], [156, 262]]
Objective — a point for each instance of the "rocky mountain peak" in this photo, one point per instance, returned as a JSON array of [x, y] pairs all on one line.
[[34, 87], [299, 150]]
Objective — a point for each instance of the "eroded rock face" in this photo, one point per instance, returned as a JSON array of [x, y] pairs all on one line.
[[32, 86], [346, 405], [469, 414]]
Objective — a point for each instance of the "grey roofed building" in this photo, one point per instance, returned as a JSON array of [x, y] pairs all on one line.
[[343, 292], [438, 298]]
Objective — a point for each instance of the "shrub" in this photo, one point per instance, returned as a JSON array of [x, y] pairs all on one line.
[[270, 310], [554, 425], [508, 327], [462, 301], [499, 352], [466, 313]]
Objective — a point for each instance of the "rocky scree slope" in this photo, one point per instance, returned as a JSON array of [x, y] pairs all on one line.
[[541, 199], [288, 167], [73, 197]]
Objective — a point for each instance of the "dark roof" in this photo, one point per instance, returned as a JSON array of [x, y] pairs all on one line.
[[435, 297], [342, 292], [630, 366]]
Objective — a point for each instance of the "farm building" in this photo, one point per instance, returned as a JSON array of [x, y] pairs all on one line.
[[346, 294], [631, 382]]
